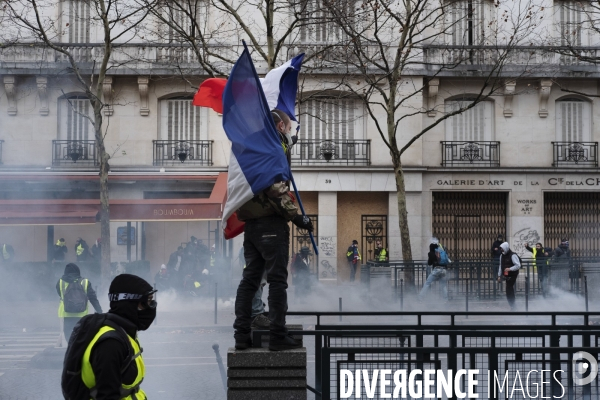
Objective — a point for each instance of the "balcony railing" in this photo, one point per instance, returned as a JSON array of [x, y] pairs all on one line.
[[182, 152], [467, 154], [575, 154], [74, 153], [335, 151]]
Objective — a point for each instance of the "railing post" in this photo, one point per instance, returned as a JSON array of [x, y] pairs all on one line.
[[340, 309], [586, 293], [401, 294], [527, 294], [467, 298], [215, 303]]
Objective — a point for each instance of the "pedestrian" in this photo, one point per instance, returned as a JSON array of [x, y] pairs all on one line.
[[8, 253], [74, 292], [380, 253], [353, 256], [104, 360], [82, 250], [162, 279], [301, 272], [540, 263], [60, 250], [96, 250], [496, 250], [562, 254], [508, 270], [438, 260], [174, 265], [266, 247]]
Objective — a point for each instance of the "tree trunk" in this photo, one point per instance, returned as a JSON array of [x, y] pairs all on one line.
[[104, 198], [403, 221]]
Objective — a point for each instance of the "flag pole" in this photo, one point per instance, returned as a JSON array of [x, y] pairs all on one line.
[[312, 238]]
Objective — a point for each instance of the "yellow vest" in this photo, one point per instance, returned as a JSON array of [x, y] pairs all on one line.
[[89, 378], [382, 255], [61, 308]]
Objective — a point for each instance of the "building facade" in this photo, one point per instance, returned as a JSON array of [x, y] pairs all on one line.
[[523, 163]]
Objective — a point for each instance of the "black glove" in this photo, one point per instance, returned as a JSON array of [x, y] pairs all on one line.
[[303, 222]]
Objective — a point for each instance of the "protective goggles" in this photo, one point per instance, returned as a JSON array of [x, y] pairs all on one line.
[[143, 298]]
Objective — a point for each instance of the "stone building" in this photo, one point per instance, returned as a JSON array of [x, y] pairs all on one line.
[[523, 163]]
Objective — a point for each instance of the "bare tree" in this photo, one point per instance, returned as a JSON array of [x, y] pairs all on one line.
[[387, 44], [35, 22]]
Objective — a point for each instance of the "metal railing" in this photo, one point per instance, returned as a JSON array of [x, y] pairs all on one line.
[[478, 279], [479, 154], [455, 341], [74, 153], [578, 154], [335, 151], [182, 152]]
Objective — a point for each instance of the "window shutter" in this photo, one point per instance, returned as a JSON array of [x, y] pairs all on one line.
[[181, 120], [573, 121], [570, 22], [79, 21], [73, 124], [475, 124]]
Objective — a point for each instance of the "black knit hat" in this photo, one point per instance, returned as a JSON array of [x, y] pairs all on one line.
[[128, 287]]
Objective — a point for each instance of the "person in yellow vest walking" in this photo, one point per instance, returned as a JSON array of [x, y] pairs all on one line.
[[74, 292], [104, 358]]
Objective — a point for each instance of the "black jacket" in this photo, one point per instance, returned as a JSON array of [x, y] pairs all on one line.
[[496, 245], [71, 275], [110, 356], [431, 256], [59, 252]]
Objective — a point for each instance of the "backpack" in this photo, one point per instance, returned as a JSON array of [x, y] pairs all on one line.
[[444, 260], [350, 253], [71, 381], [75, 298]]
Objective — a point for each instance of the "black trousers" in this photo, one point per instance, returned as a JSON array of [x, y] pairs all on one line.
[[510, 290], [352, 270], [69, 324], [266, 247]]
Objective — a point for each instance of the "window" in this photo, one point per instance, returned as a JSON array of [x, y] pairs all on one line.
[[573, 120], [180, 120], [571, 14], [321, 25], [331, 118], [77, 14], [475, 124], [74, 123], [182, 20], [465, 22]]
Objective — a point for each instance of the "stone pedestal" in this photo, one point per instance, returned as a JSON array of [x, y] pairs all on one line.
[[261, 374]]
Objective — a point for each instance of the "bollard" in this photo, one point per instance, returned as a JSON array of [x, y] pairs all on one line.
[[467, 299], [527, 294], [220, 364], [155, 322], [340, 308], [215, 303], [586, 293], [401, 294]]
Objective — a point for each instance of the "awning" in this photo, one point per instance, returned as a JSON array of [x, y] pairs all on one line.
[[68, 212]]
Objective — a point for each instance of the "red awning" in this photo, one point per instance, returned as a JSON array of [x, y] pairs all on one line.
[[67, 212]]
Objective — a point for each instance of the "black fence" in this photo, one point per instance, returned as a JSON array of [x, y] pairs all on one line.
[[478, 279], [182, 152], [74, 153], [461, 154], [579, 154], [335, 151], [547, 344]]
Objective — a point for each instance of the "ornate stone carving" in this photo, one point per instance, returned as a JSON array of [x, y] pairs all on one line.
[[545, 87], [11, 89], [143, 88], [509, 91], [42, 87], [433, 86], [108, 98]]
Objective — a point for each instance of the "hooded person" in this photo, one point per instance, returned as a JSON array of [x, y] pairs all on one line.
[[496, 251], [113, 366], [74, 302], [96, 250], [508, 269], [60, 250]]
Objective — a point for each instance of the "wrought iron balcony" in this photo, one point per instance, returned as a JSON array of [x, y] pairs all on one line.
[[577, 154], [466, 154], [74, 153], [338, 151], [182, 152]]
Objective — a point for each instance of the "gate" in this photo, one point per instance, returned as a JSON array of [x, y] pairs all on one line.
[[467, 223], [301, 238], [373, 229], [575, 216]]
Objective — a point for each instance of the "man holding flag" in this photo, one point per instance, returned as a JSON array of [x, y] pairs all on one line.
[[258, 197]]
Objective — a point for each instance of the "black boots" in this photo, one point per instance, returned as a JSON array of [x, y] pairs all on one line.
[[279, 343]]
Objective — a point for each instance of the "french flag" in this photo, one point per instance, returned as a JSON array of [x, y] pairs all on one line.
[[257, 157]]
